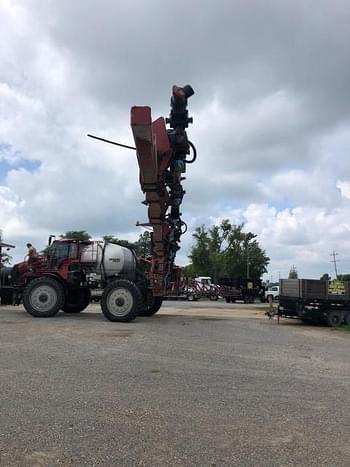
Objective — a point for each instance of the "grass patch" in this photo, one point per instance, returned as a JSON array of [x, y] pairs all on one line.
[[345, 327]]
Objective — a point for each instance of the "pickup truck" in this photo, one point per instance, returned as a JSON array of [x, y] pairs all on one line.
[[273, 291]]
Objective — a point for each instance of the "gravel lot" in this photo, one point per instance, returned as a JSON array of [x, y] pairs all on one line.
[[200, 384]]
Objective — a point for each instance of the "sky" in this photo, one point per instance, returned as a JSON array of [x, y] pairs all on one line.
[[271, 119]]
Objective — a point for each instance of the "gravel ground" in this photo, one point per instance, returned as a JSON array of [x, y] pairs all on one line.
[[204, 384]]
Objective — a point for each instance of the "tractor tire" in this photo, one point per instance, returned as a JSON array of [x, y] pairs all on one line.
[[347, 318], [43, 297], [121, 301], [152, 307], [77, 300], [335, 318]]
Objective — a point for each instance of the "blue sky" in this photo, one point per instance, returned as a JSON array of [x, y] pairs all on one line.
[[5, 167]]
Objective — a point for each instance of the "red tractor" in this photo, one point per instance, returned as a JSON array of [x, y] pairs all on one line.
[[64, 277], [62, 280]]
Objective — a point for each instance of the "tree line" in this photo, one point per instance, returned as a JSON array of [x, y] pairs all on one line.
[[142, 246], [223, 250], [226, 250]]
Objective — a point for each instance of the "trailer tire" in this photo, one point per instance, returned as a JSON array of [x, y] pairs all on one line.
[[347, 318], [77, 300], [213, 298], [152, 307], [228, 300], [121, 301], [43, 297], [334, 318]]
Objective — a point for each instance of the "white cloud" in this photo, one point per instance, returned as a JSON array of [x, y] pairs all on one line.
[[271, 118], [303, 236], [344, 187]]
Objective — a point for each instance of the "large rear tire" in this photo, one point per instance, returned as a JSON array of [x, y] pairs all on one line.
[[121, 301], [77, 300], [43, 297], [335, 318], [153, 305]]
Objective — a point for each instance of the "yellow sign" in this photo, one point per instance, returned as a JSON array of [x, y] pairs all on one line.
[[336, 288]]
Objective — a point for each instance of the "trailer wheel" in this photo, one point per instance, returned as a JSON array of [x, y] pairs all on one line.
[[213, 298], [121, 301], [153, 305], [347, 318], [43, 297], [227, 299], [77, 300], [334, 318]]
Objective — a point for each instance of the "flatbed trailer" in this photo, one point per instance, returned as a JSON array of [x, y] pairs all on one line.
[[315, 301]]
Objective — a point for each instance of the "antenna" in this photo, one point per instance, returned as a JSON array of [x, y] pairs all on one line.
[[112, 142]]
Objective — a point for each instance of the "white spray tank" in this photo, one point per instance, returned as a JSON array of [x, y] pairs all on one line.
[[109, 258]]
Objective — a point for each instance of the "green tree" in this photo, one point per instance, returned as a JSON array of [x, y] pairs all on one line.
[[143, 246], [325, 277], [76, 235], [225, 250], [116, 241], [188, 271]]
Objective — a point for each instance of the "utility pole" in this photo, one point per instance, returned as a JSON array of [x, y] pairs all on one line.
[[247, 261], [334, 254]]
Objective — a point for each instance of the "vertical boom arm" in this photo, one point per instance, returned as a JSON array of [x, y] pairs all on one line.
[[162, 157]]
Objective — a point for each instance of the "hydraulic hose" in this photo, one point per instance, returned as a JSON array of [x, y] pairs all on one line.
[[194, 157]]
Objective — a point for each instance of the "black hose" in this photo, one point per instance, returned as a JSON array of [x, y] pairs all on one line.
[[194, 153]]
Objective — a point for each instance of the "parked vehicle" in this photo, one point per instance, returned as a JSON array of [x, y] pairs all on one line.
[[273, 292], [204, 285], [315, 300], [232, 289]]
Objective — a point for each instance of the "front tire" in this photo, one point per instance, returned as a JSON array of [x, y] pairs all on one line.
[[153, 305], [121, 301], [77, 300], [43, 297]]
